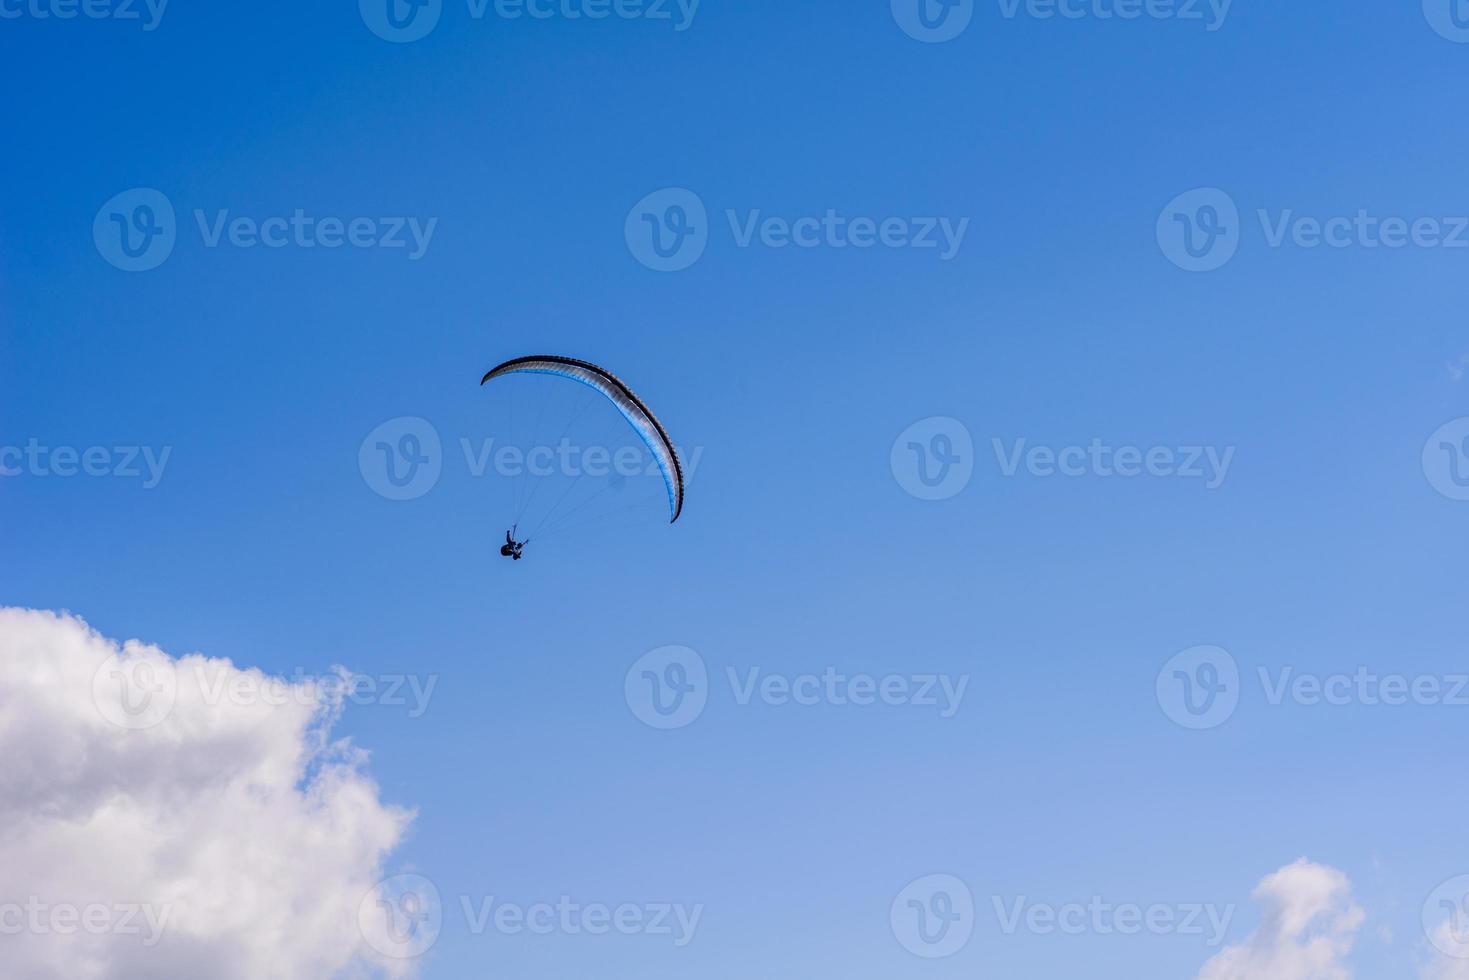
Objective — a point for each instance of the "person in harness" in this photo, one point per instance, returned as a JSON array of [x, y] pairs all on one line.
[[512, 548]]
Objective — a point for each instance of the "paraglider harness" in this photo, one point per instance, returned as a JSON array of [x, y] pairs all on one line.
[[512, 548]]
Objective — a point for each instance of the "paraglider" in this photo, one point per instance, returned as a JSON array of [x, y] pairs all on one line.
[[512, 548], [543, 463]]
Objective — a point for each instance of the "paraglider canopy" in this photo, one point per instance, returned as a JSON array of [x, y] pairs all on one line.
[[628, 404]]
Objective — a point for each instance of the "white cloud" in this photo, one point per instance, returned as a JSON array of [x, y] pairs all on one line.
[[1308, 931], [151, 827]]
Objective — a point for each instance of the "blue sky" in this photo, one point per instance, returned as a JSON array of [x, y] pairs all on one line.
[[1060, 319]]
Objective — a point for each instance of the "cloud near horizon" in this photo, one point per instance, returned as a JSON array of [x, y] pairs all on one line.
[[1308, 931], [1310, 928], [178, 817]]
